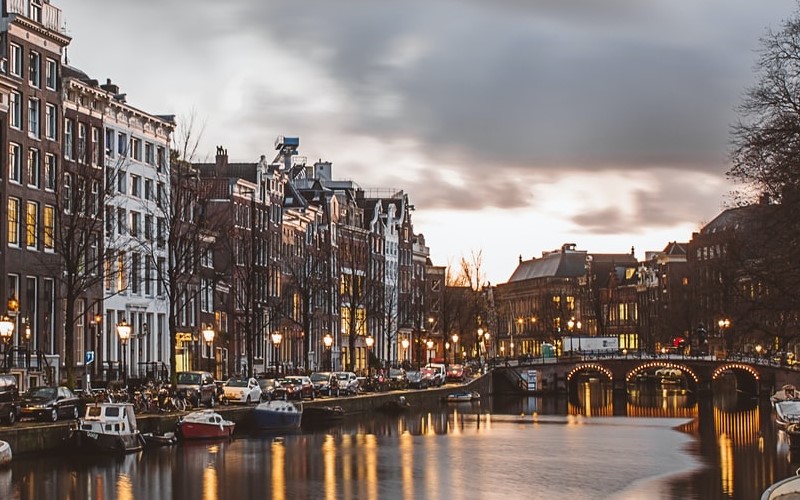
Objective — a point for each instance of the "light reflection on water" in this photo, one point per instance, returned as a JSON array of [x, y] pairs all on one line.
[[597, 445]]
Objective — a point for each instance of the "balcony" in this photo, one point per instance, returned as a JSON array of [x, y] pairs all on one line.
[[38, 11]]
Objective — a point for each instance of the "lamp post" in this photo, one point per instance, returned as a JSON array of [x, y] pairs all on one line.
[[455, 348], [277, 337], [758, 352], [429, 344], [328, 341], [486, 337], [208, 336], [404, 343], [724, 324], [478, 346], [370, 340], [124, 333]]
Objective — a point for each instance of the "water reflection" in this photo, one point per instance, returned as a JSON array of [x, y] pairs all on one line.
[[440, 453]]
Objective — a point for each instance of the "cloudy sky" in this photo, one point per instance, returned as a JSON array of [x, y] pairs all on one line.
[[514, 125]]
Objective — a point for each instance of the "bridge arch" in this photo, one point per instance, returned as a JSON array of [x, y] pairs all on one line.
[[749, 383], [590, 367], [661, 364]]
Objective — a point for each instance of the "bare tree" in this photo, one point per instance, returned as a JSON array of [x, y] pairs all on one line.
[[355, 287]]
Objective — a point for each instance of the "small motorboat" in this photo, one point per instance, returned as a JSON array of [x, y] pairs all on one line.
[[785, 489], [785, 393], [5, 454], [109, 427], [320, 415], [787, 412], [204, 424], [463, 396], [165, 439], [395, 406], [278, 415]]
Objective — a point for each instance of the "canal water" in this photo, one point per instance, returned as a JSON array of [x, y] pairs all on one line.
[[663, 445]]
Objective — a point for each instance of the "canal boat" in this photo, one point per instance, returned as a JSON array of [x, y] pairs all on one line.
[[463, 397], [787, 412], [322, 415], [278, 415], [786, 489], [204, 424], [165, 439], [5, 454], [793, 436], [109, 427]]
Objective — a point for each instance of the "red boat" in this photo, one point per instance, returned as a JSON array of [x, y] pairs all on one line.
[[205, 424]]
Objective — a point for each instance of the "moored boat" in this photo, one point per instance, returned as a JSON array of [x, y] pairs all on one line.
[[278, 415], [785, 393], [109, 427], [463, 396], [786, 489], [204, 424], [166, 439], [320, 415], [5, 453], [787, 412]]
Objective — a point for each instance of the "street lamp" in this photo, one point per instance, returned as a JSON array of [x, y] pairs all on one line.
[[328, 341], [724, 324], [370, 340], [455, 348], [124, 333], [404, 343], [429, 343], [277, 337], [208, 336]]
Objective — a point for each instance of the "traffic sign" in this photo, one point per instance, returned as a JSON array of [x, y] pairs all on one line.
[[89, 357]]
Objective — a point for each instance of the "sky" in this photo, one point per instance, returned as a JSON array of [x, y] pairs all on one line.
[[515, 126]]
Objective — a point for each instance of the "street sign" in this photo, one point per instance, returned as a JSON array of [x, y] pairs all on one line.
[[88, 358]]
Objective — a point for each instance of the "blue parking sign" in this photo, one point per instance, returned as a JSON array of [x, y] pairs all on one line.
[[89, 357]]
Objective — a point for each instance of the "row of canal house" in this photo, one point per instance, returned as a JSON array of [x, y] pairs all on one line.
[[288, 266]]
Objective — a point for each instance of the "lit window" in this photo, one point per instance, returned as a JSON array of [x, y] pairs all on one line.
[[49, 227], [13, 222], [31, 224]]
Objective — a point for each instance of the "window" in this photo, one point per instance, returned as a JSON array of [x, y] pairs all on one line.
[[122, 144], [110, 217], [35, 69], [31, 224], [48, 223], [33, 117], [15, 59], [149, 153], [95, 200], [148, 189], [13, 222], [15, 110], [33, 167], [14, 162], [148, 272], [97, 152], [68, 139], [160, 268], [135, 223], [120, 221], [121, 183], [109, 143], [82, 142], [51, 121], [122, 275], [51, 74], [160, 196], [161, 158], [134, 272], [148, 227], [136, 148], [136, 186], [67, 193], [50, 171]]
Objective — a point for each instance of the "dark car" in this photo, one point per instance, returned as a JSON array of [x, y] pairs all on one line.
[[416, 380], [456, 373], [268, 386], [323, 383], [431, 376], [198, 386], [294, 387], [49, 404], [397, 379], [9, 399]]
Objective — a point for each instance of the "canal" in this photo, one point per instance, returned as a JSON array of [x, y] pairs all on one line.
[[663, 444]]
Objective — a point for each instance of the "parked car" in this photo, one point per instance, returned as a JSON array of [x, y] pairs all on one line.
[[267, 386], [49, 404], [348, 382], [431, 377], [416, 380], [439, 371], [294, 387], [9, 399], [397, 378], [198, 386], [323, 382], [456, 373], [241, 390]]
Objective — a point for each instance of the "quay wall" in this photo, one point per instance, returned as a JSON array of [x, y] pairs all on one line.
[[33, 437]]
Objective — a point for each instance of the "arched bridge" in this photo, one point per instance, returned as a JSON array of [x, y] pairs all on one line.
[[697, 373]]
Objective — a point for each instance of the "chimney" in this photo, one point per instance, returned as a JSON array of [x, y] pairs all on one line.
[[110, 87], [221, 165]]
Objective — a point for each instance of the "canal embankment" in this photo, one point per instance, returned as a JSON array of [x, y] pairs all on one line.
[[34, 437]]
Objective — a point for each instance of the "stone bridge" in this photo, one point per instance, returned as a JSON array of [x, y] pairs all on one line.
[[562, 374]]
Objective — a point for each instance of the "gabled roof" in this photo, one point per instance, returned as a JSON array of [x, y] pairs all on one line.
[[560, 264]]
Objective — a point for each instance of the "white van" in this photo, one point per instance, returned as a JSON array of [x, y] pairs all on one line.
[[441, 372]]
